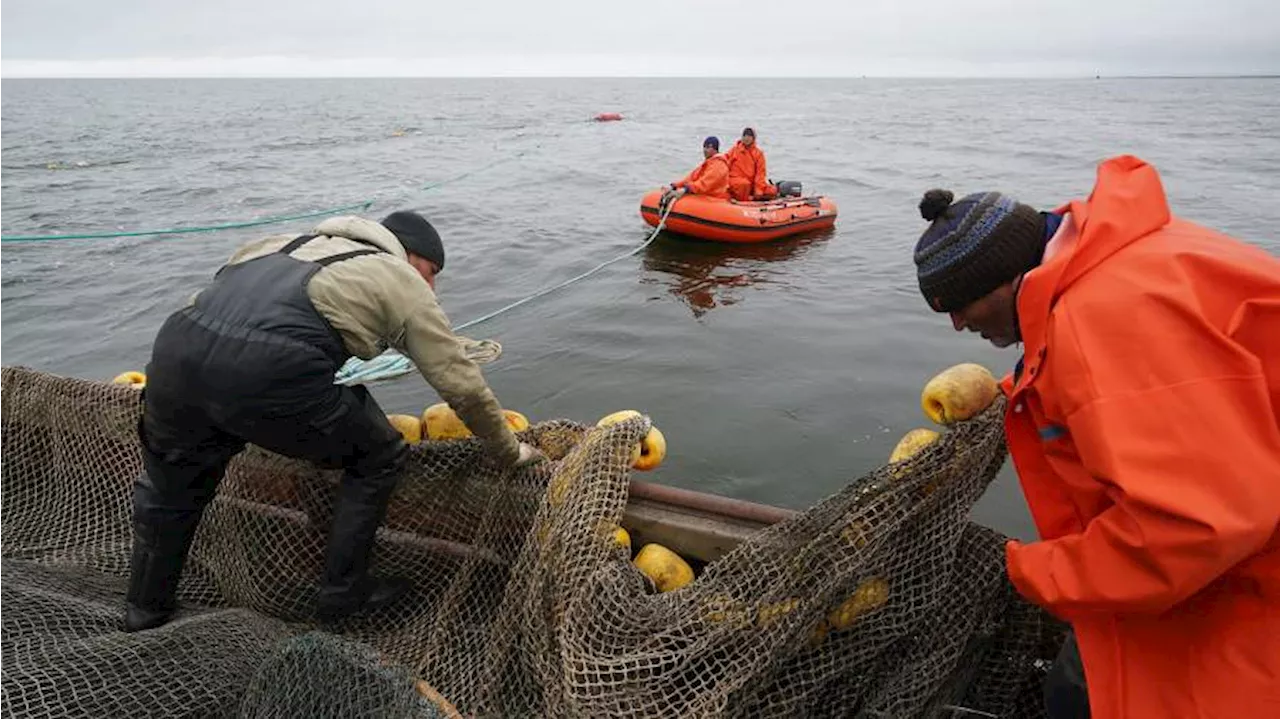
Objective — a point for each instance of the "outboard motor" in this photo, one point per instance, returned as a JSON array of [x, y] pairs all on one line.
[[788, 188]]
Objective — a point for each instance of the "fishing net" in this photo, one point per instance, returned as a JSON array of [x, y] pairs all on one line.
[[881, 601]]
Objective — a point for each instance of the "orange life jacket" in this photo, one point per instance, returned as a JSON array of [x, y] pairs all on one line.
[[711, 178], [747, 174]]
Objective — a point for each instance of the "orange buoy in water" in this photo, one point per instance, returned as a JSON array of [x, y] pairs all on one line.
[[608, 117]]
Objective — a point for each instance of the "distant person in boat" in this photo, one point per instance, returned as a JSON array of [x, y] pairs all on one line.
[[747, 175], [1143, 418], [251, 360], [711, 178]]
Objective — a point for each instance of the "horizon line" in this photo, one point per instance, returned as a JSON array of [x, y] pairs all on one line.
[[614, 67], [1046, 76]]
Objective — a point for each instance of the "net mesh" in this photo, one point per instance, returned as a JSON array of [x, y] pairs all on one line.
[[882, 600]]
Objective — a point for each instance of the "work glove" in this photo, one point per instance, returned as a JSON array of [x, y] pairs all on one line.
[[529, 456]]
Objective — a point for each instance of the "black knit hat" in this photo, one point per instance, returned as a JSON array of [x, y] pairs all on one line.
[[973, 246], [417, 235]]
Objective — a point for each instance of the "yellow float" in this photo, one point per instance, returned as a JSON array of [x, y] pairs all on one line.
[[558, 489], [667, 570], [133, 379], [441, 422], [516, 421], [651, 450], [958, 393], [410, 427], [614, 534], [623, 539], [868, 597], [723, 609], [911, 444], [772, 613]]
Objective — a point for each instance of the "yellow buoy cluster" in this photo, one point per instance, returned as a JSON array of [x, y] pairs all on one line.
[[667, 570], [440, 422], [954, 395]]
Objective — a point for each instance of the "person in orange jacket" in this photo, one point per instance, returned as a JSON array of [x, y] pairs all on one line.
[[747, 177], [1144, 422], [711, 178]]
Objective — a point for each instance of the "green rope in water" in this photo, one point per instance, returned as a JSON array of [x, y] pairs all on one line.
[[391, 363], [361, 206], [187, 230]]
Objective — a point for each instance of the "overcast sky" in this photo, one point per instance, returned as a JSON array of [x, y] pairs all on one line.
[[648, 37]]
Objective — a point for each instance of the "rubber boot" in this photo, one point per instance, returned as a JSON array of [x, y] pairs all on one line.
[[153, 581], [346, 588], [375, 593]]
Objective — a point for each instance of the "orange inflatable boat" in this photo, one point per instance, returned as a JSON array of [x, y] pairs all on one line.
[[732, 221]]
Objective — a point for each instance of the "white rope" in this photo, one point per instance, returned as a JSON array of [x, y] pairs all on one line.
[[393, 364]]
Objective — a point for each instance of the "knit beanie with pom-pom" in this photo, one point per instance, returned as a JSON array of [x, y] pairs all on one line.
[[974, 246]]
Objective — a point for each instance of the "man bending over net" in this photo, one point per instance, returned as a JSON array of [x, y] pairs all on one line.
[[252, 359]]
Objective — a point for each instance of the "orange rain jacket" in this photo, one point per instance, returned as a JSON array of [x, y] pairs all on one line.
[[1144, 422], [747, 176], [711, 178]]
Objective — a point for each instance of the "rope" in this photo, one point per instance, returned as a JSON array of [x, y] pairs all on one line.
[[389, 364], [361, 206], [187, 230], [392, 364], [662, 222], [469, 173]]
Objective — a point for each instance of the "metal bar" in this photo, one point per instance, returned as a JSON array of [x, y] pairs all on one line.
[[710, 503], [430, 544]]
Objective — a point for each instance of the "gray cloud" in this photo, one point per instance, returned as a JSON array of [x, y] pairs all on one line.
[[707, 37]]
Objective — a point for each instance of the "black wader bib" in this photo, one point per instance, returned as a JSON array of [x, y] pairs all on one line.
[[252, 361]]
